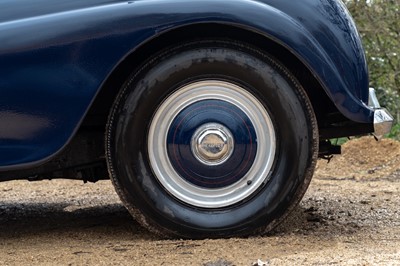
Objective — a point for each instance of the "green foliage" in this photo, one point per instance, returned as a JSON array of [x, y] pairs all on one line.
[[378, 22], [339, 141], [395, 133]]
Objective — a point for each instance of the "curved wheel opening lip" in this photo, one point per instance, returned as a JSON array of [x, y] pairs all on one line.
[[206, 197]]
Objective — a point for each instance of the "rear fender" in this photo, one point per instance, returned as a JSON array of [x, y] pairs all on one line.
[[53, 74]]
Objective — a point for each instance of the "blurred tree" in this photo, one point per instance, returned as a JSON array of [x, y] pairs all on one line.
[[378, 22]]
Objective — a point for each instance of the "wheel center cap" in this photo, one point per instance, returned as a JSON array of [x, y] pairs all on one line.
[[212, 144]]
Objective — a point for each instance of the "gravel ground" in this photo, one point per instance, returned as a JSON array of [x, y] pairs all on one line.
[[349, 216]]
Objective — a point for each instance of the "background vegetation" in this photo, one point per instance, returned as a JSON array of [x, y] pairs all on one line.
[[378, 22]]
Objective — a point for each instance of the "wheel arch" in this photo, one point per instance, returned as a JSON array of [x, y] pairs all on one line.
[[98, 112]]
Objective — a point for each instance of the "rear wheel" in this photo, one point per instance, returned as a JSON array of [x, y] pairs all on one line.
[[211, 139]]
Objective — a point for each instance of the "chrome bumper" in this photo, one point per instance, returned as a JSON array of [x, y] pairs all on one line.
[[383, 120]]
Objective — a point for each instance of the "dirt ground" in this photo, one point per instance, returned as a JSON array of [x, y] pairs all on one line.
[[349, 216]]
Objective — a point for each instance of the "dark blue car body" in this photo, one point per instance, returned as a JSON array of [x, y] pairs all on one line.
[[67, 104], [55, 57]]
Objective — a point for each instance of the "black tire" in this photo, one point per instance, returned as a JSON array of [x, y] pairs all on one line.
[[211, 139]]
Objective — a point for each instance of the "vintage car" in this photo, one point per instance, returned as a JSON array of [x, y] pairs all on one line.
[[208, 116]]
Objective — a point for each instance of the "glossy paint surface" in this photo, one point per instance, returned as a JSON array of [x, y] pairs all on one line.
[[55, 55]]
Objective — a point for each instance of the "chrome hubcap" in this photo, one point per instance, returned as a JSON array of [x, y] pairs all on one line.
[[212, 144]]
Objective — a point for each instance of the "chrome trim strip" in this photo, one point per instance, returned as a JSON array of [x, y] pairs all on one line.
[[373, 100]]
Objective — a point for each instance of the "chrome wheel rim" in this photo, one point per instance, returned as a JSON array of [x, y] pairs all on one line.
[[211, 144]]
